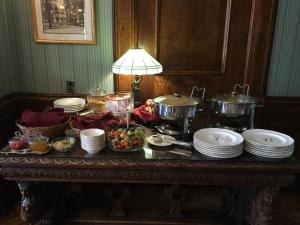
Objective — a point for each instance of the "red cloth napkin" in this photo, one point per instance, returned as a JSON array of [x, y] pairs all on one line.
[[100, 121], [142, 114], [42, 119]]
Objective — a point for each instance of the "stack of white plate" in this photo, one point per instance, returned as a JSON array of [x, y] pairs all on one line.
[[70, 105], [218, 143], [268, 143], [92, 140]]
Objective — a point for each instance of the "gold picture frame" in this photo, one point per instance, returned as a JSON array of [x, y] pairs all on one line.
[[63, 21]]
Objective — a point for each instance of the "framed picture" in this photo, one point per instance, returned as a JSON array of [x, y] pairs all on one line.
[[64, 21]]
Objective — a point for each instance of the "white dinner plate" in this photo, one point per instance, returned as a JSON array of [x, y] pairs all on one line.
[[229, 154], [218, 137], [285, 149], [69, 101], [204, 144], [222, 156], [267, 138], [268, 155]]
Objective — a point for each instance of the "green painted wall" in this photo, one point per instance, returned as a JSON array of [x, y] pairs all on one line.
[[44, 68], [8, 69], [284, 76]]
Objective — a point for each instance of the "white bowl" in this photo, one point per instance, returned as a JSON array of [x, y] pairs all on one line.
[[98, 139], [92, 151], [93, 142], [92, 133], [92, 146]]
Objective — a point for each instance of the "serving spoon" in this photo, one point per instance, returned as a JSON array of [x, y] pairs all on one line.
[[162, 138]]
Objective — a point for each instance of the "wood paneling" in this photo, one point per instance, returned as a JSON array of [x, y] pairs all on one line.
[[282, 114], [12, 105], [206, 43], [191, 42]]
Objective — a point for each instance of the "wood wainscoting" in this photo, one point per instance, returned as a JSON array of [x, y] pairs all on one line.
[[12, 105], [210, 43], [282, 114]]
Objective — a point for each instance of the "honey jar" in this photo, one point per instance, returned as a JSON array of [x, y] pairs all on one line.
[[39, 143], [96, 100]]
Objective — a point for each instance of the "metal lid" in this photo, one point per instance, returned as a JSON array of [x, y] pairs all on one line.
[[234, 98], [176, 100], [97, 92]]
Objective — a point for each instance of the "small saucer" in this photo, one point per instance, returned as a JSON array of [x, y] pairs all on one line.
[[163, 143]]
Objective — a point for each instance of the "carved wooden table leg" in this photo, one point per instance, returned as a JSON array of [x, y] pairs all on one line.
[[29, 202], [117, 194], [250, 205], [176, 194], [261, 206]]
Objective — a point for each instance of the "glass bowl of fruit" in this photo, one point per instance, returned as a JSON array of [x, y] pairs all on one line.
[[123, 139]]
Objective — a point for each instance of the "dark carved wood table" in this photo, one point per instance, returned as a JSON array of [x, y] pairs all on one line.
[[252, 182]]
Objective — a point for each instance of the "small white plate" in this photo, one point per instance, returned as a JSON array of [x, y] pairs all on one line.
[[69, 102], [163, 143]]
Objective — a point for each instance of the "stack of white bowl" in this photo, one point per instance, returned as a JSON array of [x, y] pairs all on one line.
[[218, 143], [92, 140], [268, 143], [70, 105]]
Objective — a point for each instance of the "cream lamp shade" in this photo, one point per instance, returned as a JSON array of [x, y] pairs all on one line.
[[136, 62]]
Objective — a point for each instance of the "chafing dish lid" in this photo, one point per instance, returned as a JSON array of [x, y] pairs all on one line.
[[234, 98], [176, 100]]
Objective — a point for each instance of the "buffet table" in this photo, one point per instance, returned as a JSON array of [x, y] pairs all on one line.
[[251, 182]]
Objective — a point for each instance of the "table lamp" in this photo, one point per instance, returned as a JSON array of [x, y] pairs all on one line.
[[136, 62]]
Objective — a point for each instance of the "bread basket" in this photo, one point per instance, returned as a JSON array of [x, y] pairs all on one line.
[[50, 131]]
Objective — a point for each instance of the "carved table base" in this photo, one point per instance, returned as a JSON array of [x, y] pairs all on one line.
[[42, 202], [117, 194], [176, 194], [250, 205], [29, 201]]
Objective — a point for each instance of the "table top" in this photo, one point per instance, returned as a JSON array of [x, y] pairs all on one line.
[[151, 164], [148, 157]]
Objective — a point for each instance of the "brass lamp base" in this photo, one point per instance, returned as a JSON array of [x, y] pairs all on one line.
[[135, 85]]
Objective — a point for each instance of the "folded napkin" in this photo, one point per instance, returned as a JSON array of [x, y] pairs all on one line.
[[43, 119], [144, 114], [100, 121]]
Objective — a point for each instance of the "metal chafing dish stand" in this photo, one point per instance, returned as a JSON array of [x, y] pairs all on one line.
[[178, 108]]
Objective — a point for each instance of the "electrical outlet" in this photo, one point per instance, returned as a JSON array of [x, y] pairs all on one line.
[[70, 85]]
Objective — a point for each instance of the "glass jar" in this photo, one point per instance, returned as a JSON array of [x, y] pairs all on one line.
[[96, 100], [38, 143], [18, 142], [120, 103]]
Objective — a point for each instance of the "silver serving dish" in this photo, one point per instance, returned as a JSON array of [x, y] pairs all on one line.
[[234, 104], [177, 107]]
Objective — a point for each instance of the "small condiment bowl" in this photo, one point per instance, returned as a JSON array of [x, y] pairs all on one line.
[[18, 142], [38, 143], [63, 144]]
